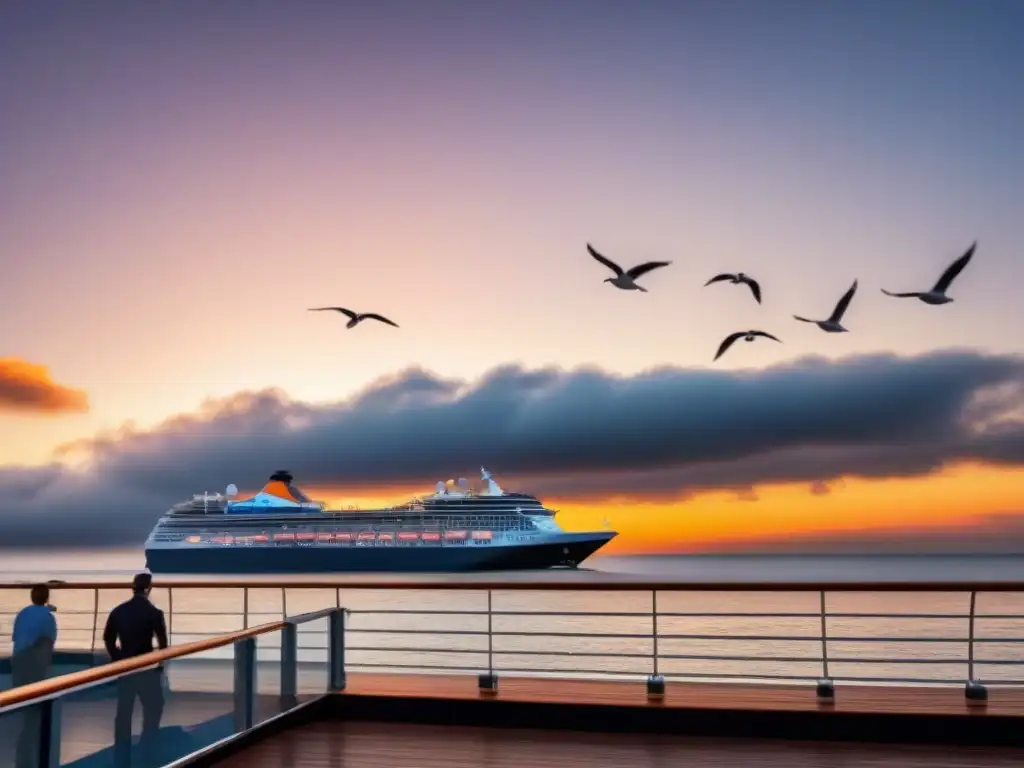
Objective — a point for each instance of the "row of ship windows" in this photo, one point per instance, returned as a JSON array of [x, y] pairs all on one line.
[[328, 537]]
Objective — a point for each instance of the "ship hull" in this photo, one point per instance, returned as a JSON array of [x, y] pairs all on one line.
[[569, 549]]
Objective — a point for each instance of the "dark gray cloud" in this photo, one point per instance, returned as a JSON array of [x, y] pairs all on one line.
[[665, 433]]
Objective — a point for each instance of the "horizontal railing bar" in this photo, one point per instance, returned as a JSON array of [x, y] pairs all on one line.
[[63, 684], [554, 586]]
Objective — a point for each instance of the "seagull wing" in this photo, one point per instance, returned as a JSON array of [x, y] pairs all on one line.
[[381, 318], [729, 342], [351, 315], [766, 335], [837, 313], [804, 319], [643, 269], [718, 278], [954, 269], [901, 295], [607, 262], [754, 288]]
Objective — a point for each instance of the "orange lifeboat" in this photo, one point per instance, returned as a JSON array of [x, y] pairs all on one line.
[[323, 537], [305, 537], [194, 539], [385, 537], [408, 536], [284, 537], [343, 537], [260, 539], [367, 536], [455, 535], [483, 535], [431, 536]]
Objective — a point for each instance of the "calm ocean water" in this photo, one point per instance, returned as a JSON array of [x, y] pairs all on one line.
[[921, 647]]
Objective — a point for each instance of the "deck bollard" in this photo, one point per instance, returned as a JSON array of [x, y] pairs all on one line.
[[976, 693], [336, 652], [825, 690], [655, 688], [488, 683]]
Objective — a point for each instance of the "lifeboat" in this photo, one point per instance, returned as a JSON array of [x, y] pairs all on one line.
[[284, 537], [223, 539], [455, 535], [408, 536], [343, 537], [322, 537], [305, 537], [194, 539], [385, 537], [483, 535], [261, 539], [431, 536], [367, 536]]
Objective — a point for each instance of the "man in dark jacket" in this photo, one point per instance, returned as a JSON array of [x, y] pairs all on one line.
[[130, 630]]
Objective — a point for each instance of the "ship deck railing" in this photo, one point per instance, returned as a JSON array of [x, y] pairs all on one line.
[[251, 652]]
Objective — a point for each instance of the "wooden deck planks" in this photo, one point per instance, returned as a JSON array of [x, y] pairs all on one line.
[[373, 745], [865, 699]]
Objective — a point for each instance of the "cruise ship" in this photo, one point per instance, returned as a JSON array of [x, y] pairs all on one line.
[[281, 530]]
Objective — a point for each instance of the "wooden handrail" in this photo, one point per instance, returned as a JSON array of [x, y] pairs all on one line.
[[565, 585], [57, 685]]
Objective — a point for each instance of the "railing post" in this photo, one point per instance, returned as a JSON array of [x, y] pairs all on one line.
[[95, 622], [245, 607], [170, 615], [974, 691], [245, 683], [289, 666], [44, 719], [336, 652], [488, 683], [826, 689], [655, 683]]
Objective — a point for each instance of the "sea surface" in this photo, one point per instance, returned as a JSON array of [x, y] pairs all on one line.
[[872, 637]]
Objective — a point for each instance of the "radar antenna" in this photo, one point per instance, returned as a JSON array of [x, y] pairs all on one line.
[[440, 488], [493, 489]]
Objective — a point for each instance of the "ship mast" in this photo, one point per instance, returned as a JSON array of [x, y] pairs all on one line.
[[493, 489]]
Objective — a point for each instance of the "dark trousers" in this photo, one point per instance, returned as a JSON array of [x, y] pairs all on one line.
[[30, 666], [148, 687]]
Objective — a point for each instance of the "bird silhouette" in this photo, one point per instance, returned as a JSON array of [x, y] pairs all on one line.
[[832, 324], [746, 336], [937, 295], [354, 318], [626, 279], [736, 279]]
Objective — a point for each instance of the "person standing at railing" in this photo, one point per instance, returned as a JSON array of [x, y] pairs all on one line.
[[130, 630], [34, 635]]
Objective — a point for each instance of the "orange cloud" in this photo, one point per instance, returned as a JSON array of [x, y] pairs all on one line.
[[28, 388]]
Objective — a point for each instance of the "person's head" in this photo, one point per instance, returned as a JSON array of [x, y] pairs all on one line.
[[142, 584], [40, 594]]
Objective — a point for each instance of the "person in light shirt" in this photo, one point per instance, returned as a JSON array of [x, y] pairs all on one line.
[[35, 632]]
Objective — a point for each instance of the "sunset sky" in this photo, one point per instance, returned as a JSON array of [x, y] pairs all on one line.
[[180, 181]]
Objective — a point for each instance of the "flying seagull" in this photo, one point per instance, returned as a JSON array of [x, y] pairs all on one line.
[[736, 279], [746, 336], [832, 325], [626, 279], [354, 319], [937, 295]]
